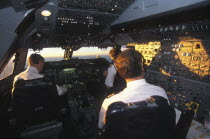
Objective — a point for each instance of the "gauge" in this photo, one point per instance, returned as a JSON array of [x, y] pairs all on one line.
[[177, 28], [171, 28], [183, 27]]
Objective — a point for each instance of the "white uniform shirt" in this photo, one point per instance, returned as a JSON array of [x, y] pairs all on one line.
[[110, 76], [33, 73], [137, 90]]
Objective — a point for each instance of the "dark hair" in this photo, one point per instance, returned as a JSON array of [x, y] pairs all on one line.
[[35, 58], [129, 63], [114, 52]]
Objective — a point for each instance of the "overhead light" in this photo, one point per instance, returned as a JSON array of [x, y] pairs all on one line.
[[46, 13]]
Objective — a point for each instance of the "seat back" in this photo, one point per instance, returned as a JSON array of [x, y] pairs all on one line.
[[140, 120], [34, 101], [184, 123]]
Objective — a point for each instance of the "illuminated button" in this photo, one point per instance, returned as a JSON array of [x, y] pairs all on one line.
[[201, 27], [171, 28], [175, 80], [206, 26], [177, 28], [197, 27], [179, 88], [205, 58], [202, 66], [184, 54], [193, 106], [195, 58], [183, 27], [169, 93], [176, 56], [178, 49], [188, 54], [180, 45]]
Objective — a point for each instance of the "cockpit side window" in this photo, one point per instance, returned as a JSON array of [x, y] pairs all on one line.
[[8, 69], [49, 54]]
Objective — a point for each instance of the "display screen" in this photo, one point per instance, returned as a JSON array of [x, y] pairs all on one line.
[[69, 70]]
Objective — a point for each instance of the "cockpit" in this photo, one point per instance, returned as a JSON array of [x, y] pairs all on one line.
[[75, 37]]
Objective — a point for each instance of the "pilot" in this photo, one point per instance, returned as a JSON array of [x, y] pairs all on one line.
[[130, 65], [35, 66], [111, 72]]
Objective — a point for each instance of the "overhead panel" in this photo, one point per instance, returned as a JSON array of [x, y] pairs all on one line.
[[81, 22], [141, 9]]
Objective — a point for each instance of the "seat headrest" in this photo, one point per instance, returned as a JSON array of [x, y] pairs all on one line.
[[154, 101], [35, 91], [149, 119], [32, 83]]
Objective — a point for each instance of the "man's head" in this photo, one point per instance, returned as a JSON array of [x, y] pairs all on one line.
[[36, 61], [114, 52], [129, 64]]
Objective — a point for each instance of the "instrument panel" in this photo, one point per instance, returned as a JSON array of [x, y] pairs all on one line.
[[178, 59], [79, 76], [68, 71], [76, 75]]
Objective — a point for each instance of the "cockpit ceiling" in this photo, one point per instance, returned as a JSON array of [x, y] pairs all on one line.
[[88, 16], [105, 6], [80, 22]]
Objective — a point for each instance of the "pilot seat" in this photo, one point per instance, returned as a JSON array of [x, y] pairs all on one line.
[[37, 108], [149, 119]]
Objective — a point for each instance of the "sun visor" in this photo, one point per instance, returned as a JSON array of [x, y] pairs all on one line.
[[7, 38]]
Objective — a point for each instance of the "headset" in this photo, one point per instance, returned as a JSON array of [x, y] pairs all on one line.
[[36, 61], [36, 58], [142, 59], [137, 61]]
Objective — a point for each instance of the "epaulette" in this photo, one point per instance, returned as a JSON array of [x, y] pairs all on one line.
[[110, 95]]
